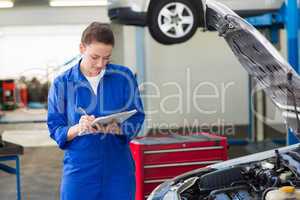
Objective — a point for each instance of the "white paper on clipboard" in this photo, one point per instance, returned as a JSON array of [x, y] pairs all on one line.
[[118, 117]]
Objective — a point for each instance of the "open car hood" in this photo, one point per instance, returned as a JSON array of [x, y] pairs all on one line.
[[260, 59]]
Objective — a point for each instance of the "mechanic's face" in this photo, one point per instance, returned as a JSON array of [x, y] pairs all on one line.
[[95, 57]]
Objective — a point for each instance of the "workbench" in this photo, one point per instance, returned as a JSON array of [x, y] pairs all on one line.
[[11, 152]]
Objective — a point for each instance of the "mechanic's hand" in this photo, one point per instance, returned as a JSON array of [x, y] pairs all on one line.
[[113, 128], [85, 124]]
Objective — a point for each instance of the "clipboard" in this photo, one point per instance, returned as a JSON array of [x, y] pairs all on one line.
[[118, 117]]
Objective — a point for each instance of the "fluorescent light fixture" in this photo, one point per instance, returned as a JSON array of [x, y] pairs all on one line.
[[58, 3], [6, 4]]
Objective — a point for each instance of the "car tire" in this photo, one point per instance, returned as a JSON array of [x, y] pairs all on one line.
[[173, 21]]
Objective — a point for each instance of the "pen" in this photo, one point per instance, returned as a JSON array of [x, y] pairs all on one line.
[[82, 110]]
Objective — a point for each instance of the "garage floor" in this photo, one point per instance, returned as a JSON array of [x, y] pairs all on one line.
[[40, 174], [41, 168]]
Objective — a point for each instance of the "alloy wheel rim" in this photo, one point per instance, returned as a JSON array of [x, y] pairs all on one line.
[[175, 20]]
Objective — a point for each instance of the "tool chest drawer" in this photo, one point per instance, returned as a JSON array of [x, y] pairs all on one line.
[[160, 158]]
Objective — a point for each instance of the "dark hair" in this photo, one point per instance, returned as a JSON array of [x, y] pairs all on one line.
[[98, 32]]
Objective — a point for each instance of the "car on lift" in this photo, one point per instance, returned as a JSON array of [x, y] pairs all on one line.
[[269, 175], [176, 21]]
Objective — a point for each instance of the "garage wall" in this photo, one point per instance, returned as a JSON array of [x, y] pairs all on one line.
[[202, 73], [45, 15], [34, 38], [36, 50], [125, 46], [210, 79]]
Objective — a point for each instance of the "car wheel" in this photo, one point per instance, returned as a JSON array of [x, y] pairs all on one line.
[[173, 21]]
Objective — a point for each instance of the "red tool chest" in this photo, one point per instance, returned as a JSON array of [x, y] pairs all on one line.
[[7, 91], [158, 159]]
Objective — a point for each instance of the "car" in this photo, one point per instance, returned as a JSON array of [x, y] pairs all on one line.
[[246, 178], [176, 21], [257, 176]]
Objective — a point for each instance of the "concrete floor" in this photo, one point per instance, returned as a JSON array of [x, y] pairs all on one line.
[[41, 168], [40, 175]]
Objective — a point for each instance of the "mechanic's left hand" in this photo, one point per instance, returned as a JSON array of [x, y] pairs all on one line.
[[112, 128]]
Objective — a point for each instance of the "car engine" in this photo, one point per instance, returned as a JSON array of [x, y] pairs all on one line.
[[248, 181]]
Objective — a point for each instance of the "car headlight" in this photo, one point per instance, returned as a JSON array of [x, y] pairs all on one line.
[[161, 191], [168, 191]]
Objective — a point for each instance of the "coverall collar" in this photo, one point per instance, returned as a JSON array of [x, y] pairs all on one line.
[[77, 75]]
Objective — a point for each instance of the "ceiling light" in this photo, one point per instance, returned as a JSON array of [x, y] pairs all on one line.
[[6, 4], [56, 3]]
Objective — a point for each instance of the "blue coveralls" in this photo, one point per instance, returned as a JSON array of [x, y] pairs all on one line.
[[95, 166]]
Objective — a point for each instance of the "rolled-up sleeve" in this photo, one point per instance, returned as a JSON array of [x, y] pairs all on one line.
[[57, 118], [131, 127]]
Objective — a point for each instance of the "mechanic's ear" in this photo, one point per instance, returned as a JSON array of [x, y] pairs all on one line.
[[82, 48]]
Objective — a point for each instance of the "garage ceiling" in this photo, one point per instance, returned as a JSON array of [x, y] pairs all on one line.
[[38, 12]]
